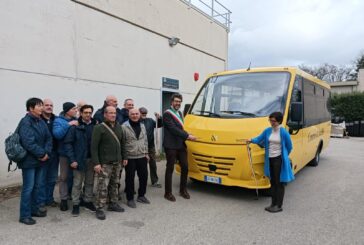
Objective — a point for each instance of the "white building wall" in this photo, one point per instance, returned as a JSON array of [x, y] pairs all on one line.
[[361, 80], [66, 51]]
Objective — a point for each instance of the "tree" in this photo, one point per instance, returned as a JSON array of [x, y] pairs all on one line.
[[329, 73], [349, 106]]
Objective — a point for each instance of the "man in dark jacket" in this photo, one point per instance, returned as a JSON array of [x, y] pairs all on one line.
[[150, 124], [175, 147], [61, 126], [37, 141], [51, 168], [128, 105], [110, 100], [108, 156], [77, 144]]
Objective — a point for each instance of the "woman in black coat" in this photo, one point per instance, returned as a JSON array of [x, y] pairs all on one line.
[[37, 141]]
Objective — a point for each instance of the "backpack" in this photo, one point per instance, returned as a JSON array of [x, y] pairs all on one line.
[[13, 149]]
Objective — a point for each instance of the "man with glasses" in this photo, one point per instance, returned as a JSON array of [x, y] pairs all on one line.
[[175, 147], [150, 124]]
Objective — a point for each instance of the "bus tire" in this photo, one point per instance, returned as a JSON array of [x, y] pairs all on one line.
[[315, 161]]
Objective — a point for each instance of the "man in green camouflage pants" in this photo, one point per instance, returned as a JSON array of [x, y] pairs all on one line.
[[107, 154]]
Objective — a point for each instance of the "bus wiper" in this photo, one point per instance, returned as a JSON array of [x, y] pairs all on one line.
[[210, 113], [241, 112]]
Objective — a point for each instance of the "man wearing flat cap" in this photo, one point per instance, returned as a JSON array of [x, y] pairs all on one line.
[[61, 126]]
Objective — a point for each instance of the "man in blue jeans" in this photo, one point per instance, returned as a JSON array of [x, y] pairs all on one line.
[[51, 168], [37, 141]]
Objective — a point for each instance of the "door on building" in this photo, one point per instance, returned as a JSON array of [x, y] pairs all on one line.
[[166, 100], [166, 104]]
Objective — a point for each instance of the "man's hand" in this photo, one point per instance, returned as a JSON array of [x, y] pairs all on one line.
[[125, 162], [73, 123], [98, 168], [147, 157], [74, 165], [44, 158], [191, 137], [157, 115]]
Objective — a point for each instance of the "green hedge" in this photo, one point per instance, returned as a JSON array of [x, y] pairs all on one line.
[[350, 106]]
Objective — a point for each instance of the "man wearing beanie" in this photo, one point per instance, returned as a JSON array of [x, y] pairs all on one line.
[[61, 126]]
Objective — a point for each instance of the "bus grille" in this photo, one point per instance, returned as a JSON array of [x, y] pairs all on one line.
[[213, 164]]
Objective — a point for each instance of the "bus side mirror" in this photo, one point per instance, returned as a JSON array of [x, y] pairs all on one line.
[[295, 115], [185, 110]]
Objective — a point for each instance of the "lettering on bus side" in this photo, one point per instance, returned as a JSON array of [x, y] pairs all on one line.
[[314, 135]]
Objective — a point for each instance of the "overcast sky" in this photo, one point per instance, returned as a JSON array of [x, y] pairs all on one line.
[[294, 32]]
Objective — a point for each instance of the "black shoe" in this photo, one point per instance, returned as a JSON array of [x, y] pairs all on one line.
[[76, 210], [42, 209], [184, 194], [27, 221], [131, 204], [143, 199], [100, 214], [269, 207], [274, 209], [115, 207], [90, 206], [169, 196], [64, 205], [39, 214]]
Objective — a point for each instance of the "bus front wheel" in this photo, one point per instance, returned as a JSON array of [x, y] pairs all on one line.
[[314, 162]]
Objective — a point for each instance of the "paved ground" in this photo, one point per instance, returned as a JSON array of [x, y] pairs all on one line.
[[323, 206]]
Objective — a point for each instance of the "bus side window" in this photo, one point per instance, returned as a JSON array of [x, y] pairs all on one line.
[[297, 90], [295, 97]]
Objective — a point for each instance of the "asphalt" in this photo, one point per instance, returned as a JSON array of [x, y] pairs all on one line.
[[324, 205]]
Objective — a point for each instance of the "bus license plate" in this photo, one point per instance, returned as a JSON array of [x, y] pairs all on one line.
[[211, 179]]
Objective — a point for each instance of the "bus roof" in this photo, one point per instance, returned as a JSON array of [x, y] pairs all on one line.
[[293, 70]]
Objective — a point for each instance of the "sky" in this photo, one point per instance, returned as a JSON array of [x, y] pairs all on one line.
[[294, 32]]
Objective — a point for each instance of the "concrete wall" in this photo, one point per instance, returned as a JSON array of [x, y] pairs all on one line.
[[344, 87], [68, 51]]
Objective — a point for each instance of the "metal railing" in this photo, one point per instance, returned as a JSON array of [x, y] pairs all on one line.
[[212, 9]]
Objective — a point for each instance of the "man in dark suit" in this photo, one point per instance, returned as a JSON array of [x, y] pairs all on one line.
[[175, 147]]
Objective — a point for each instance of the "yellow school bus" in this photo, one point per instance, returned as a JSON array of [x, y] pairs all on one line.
[[234, 106]]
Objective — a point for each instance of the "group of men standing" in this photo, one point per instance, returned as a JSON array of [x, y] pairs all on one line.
[[85, 148]]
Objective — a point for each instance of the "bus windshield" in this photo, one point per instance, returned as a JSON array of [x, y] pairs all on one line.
[[243, 95]]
